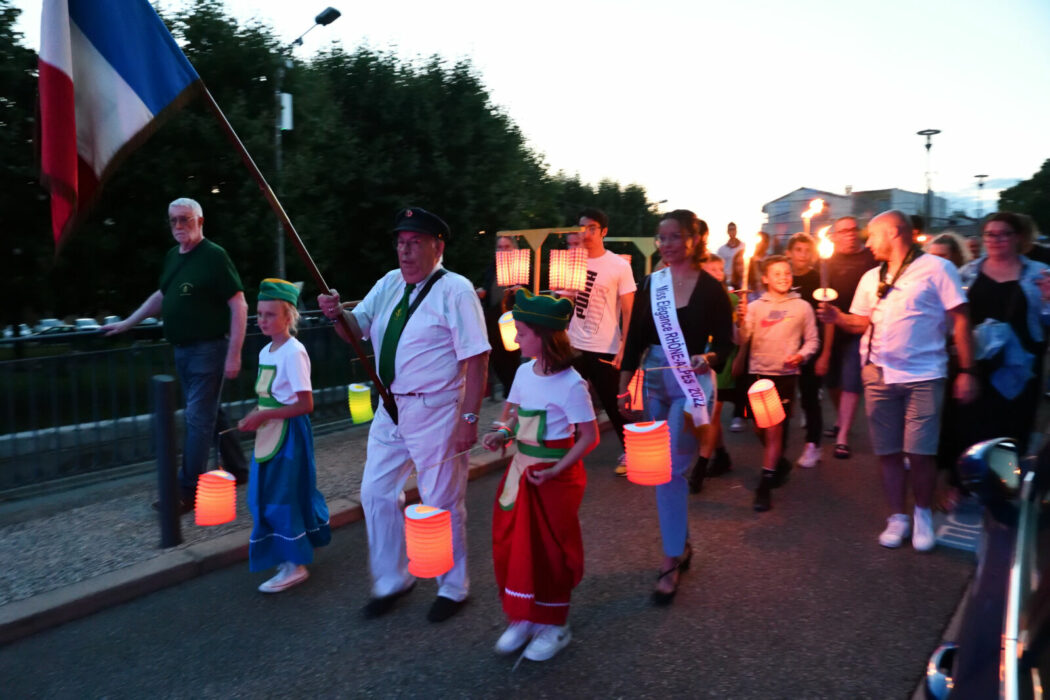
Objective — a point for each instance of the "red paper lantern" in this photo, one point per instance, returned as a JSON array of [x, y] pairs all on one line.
[[765, 403], [648, 447], [428, 540], [636, 389], [512, 267], [216, 498], [568, 269]]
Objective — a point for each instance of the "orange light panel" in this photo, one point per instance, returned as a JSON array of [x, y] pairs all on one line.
[[512, 267], [568, 269]]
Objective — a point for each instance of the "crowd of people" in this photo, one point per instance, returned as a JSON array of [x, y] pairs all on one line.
[[937, 352]]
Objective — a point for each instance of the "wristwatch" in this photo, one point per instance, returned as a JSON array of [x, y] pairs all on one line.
[[471, 418]]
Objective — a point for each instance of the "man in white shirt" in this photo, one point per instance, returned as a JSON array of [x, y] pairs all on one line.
[[431, 350], [730, 249], [595, 329], [904, 308]]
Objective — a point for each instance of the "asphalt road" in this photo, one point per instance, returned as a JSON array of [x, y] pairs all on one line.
[[799, 602]]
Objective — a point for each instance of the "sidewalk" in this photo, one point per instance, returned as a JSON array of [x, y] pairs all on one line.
[[71, 562]]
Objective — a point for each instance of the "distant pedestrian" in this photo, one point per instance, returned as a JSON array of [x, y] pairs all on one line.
[[290, 514], [713, 447], [778, 336], [537, 547]]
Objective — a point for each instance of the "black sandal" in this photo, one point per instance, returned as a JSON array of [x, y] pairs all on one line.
[[842, 451], [681, 565]]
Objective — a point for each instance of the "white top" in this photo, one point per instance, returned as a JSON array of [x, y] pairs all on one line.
[[727, 254], [909, 326], [447, 327], [292, 365], [564, 396], [595, 324]]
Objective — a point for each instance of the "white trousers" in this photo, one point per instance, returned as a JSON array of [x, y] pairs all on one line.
[[424, 436]]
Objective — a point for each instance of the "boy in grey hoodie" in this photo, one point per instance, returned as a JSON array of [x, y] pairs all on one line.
[[778, 334]]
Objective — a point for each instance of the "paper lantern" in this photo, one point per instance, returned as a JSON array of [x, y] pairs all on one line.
[[508, 332], [216, 498], [512, 267], [636, 389], [648, 447], [359, 398], [568, 269], [428, 540], [765, 403]]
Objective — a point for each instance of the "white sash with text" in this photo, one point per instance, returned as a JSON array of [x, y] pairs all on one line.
[[665, 317]]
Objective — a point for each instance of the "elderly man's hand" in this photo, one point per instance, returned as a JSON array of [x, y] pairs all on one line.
[[965, 389], [827, 313], [465, 435], [329, 304]]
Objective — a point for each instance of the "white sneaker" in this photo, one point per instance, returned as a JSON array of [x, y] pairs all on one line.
[[549, 640], [736, 425], [288, 575], [898, 526], [515, 636], [810, 456], [923, 539]]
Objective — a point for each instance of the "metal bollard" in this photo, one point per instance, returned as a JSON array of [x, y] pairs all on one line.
[[164, 440]]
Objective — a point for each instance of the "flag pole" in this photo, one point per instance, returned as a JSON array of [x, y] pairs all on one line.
[[304, 254]]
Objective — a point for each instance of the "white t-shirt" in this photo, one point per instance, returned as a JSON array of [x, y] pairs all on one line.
[[909, 325], [727, 254], [595, 324], [292, 366], [447, 327], [563, 396]]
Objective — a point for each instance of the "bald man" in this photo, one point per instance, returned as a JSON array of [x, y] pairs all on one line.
[[905, 308]]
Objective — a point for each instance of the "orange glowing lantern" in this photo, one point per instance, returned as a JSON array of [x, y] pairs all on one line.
[[359, 398], [568, 269], [428, 540], [508, 332], [512, 267], [216, 498], [648, 447], [765, 403], [636, 389]]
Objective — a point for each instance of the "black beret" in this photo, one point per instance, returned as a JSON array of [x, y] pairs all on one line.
[[422, 221]]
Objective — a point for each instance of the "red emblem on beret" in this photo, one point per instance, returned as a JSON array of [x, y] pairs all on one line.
[[408, 213]]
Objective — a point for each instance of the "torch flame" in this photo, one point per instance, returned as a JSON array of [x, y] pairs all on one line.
[[825, 247], [815, 207]]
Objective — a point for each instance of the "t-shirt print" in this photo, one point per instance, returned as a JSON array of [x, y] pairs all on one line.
[[591, 313]]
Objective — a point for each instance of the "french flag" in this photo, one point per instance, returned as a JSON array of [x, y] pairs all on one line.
[[109, 72]]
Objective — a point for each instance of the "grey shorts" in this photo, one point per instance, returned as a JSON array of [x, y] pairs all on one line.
[[902, 417]]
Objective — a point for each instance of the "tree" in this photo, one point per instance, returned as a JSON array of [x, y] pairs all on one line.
[[1031, 196]]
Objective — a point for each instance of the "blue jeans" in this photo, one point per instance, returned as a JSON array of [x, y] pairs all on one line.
[[200, 369], [664, 400]]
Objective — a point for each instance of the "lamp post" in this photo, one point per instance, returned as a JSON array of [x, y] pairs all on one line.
[[980, 194], [929, 134], [326, 17]]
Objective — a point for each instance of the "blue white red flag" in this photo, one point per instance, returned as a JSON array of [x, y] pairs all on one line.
[[109, 72]]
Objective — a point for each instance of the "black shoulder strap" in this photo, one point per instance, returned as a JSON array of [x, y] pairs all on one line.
[[424, 291]]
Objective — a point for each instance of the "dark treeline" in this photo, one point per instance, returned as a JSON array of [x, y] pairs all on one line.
[[372, 133]]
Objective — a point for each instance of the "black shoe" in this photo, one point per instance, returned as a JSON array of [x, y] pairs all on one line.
[[183, 507], [443, 608], [696, 479], [720, 464], [381, 606], [241, 477], [780, 475], [763, 501], [833, 431]]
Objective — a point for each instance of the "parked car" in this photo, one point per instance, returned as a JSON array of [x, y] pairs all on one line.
[[111, 319], [57, 330], [1001, 648], [47, 323], [86, 325]]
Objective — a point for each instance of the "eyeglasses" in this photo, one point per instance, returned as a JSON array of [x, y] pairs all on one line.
[[997, 235], [851, 229], [183, 220]]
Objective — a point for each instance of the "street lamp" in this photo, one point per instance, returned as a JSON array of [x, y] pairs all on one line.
[[326, 17], [928, 133], [980, 194]]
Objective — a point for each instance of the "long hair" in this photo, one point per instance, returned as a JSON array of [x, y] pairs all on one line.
[[556, 353], [693, 227]]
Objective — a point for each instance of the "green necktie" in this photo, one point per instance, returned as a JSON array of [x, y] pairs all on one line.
[[391, 336]]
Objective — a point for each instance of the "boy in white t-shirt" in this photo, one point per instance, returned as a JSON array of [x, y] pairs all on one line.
[[600, 308]]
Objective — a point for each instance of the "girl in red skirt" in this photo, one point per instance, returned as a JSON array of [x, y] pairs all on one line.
[[537, 548]]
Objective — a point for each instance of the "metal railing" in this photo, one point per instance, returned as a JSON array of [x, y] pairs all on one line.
[[87, 410]]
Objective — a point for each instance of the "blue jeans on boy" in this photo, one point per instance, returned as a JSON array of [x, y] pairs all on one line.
[[664, 400]]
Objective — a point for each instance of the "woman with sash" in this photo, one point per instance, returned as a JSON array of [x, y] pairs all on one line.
[[683, 326]]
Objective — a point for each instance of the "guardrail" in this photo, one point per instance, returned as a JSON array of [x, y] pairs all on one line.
[[85, 408]]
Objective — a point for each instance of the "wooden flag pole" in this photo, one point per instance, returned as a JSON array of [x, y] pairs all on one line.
[[297, 242]]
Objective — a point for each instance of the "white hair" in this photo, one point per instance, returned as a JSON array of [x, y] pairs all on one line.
[[187, 202]]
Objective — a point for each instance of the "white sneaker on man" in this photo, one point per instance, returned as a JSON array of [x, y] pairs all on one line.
[[898, 526], [810, 456], [515, 636], [288, 575], [923, 539], [736, 425], [549, 640]]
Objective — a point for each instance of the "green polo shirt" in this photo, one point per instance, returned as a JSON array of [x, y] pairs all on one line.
[[197, 286]]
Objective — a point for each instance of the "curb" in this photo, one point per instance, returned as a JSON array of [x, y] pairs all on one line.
[[26, 617]]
